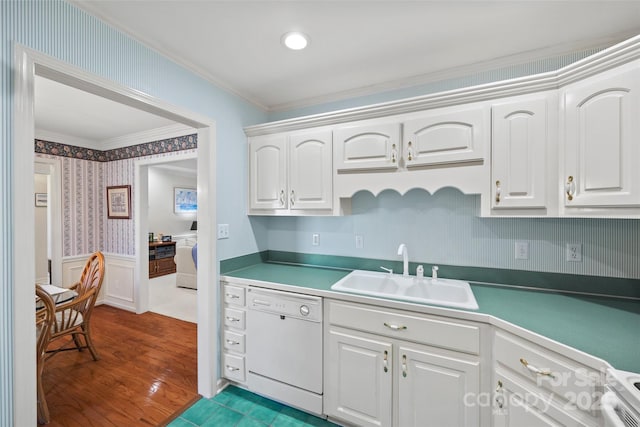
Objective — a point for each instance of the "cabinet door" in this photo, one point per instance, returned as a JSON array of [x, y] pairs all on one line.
[[371, 146], [358, 385], [434, 387], [602, 140], [268, 172], [310, 171], [518, 154], [450, 136]]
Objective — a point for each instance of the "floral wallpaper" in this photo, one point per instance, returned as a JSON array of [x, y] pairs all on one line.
[[86, 174], [163, 146]]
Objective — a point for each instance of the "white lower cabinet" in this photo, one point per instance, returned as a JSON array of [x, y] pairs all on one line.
[[233, 333], [436, 388], [377, 380], [359, 378], [537, 386]]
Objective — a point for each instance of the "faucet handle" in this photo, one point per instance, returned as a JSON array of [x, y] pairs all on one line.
[[420, 272], [434, 272], [388, 270]]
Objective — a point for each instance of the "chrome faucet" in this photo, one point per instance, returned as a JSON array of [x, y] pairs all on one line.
[[434, 273], [402, 250]]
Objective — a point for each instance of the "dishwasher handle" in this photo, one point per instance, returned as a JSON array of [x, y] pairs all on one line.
[[260, 302]]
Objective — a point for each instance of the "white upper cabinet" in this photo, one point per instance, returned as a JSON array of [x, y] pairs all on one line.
[[268, 172], [519, 167], [602, 140], [310, 171], [367, 146], [444, 136], [290, 174]]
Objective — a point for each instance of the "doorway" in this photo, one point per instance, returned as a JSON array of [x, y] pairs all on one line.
[[30, 64]]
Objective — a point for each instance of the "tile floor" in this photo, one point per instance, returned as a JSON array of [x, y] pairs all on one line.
[[236, 407]]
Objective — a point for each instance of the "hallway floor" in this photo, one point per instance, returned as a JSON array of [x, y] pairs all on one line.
[[169, 300], [236, 407]]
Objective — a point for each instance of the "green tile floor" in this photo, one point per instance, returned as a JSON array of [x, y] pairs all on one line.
[[235, 407]]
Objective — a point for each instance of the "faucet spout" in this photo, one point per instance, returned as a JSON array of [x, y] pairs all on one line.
[[402, 251]]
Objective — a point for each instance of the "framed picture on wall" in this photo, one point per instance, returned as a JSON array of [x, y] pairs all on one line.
[[119, 202], [185, 200]]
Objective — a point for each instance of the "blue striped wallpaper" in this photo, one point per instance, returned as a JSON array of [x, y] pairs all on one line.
[[444, 228]]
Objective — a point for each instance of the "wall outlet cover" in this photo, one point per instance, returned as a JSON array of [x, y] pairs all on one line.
[[315, 239], [574, 252], [522, 250]]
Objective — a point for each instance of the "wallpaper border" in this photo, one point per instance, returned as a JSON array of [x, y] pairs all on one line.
[[169, 145]]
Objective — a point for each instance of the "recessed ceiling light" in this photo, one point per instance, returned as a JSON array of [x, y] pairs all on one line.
[[295, 40]]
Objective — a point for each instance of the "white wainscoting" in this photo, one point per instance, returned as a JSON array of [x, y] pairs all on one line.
[[119, 278]]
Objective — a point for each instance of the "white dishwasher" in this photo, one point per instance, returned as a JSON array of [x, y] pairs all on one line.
[[284, 347]]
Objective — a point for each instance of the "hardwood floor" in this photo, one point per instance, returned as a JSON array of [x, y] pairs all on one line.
[[146, 374]]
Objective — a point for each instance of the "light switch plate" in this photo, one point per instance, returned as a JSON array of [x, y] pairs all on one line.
[[223, 231]]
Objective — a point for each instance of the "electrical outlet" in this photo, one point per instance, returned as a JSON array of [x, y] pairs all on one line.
[[359, 241], [223, 231], [574, 252], [315, 239], [522, 250]]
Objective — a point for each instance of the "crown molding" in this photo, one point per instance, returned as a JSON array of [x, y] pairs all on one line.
[[604, 60]]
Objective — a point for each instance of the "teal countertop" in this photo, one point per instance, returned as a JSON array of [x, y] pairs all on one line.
[[607, 328]]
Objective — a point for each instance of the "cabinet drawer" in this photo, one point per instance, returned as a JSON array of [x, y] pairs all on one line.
[[233, 367], [516, 404], [234, 295], [418, 328], [234, 318], [565, 378], [234, 341]]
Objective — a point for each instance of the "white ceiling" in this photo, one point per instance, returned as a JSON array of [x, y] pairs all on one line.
[[361, 46], [91, 121], [357, 47]]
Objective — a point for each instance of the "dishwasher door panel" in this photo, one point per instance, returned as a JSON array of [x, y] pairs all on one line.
[[285, 349]]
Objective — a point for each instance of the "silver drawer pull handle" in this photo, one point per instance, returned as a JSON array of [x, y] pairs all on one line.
[[535, 370], [232, 369], [232, 319], [395, 327], [261, 302], [230, 342], [233, 296]]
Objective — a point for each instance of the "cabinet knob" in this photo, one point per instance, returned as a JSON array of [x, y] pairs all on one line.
[[281, 197], [292, 199], [498, 191], [409, 152], [570, 188], [394, 153], [385, 361]]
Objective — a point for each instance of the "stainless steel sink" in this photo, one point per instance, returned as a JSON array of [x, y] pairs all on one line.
[[445, 292]]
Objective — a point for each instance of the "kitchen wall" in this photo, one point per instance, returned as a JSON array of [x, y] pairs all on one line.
[[444, 228]]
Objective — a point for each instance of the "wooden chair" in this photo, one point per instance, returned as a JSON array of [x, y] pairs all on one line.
[[73, 318], [45, 316]]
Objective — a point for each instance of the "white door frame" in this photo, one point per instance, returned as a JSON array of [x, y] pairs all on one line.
[[28, 64], [54, 167]]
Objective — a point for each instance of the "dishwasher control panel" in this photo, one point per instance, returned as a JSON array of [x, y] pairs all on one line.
[[286, 304]]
